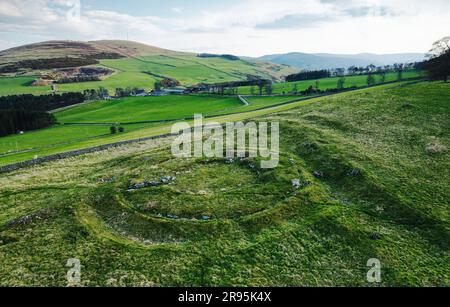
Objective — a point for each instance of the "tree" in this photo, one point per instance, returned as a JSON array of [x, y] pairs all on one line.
[[353, 70], [438, 65], [119, 92], [295, 89], [399, 69], [371, 67], [102, 92], [158, 86], [113, 129], [382, 74], [341, 83], [317, 84], [269, 88], [121, 129], [252, 90], [260, 86], [370, 79]]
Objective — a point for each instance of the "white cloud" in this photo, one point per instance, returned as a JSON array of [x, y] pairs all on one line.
[[252, 27]]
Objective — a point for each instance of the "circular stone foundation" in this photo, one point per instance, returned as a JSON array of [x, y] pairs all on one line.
[[209, 190]]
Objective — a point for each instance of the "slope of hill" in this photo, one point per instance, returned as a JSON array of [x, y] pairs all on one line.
[[327, 61], [134, 64], [373, 183]]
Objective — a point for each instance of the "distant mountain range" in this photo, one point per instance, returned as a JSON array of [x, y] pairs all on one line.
[[316, 61]]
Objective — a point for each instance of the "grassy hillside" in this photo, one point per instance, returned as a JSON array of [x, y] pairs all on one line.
[[135, 65], [381, 191]]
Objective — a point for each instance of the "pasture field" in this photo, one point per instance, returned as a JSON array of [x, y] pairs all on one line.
[[21, 85], [144, 71], [188, 69], [136, 109], [373, 171], [329, 83], [96, 118], [58, 135]]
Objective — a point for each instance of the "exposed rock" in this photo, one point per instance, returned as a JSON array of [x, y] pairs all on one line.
[[318, 174], [354, 172], [407, 105], [28, 219], [145, 184], [296, 183], [375, 236], [205, 218], [167, 179], [435, 148]]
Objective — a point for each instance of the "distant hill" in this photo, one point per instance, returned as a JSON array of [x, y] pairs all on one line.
[[64, 54], [115, 64], [327, 61]]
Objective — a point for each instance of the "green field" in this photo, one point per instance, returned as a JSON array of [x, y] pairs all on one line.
[[330, 83], [136, 109], [383, 159], [140, 72], [96, 118], [21, 85]]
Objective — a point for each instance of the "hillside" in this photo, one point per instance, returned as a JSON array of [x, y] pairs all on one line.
[[133, 65], [372, 167], [94, 50], [318, 61]]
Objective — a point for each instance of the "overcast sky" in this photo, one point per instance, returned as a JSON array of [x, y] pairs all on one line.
[[241, 27]]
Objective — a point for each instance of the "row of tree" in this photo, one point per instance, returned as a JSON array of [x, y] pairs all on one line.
[[40, 103], [14, 121], [29, 112], [92, 94], [308, 75]]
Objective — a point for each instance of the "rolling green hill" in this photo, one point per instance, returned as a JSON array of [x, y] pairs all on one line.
[[373, 171], [134, 65]]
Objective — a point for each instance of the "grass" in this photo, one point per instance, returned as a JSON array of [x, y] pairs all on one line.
[[330, 83], [382, 195], [135, 109], [60, 138], [140, 72], [59, 135], [21, 85]]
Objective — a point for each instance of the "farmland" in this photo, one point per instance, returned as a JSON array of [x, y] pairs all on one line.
[[138, 66], [382, 155], [93, 121], [331, 83]]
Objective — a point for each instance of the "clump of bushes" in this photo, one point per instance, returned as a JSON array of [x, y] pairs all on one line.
[[115, 129]]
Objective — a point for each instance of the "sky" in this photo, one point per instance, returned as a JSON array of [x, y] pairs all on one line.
[[240, 27]]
